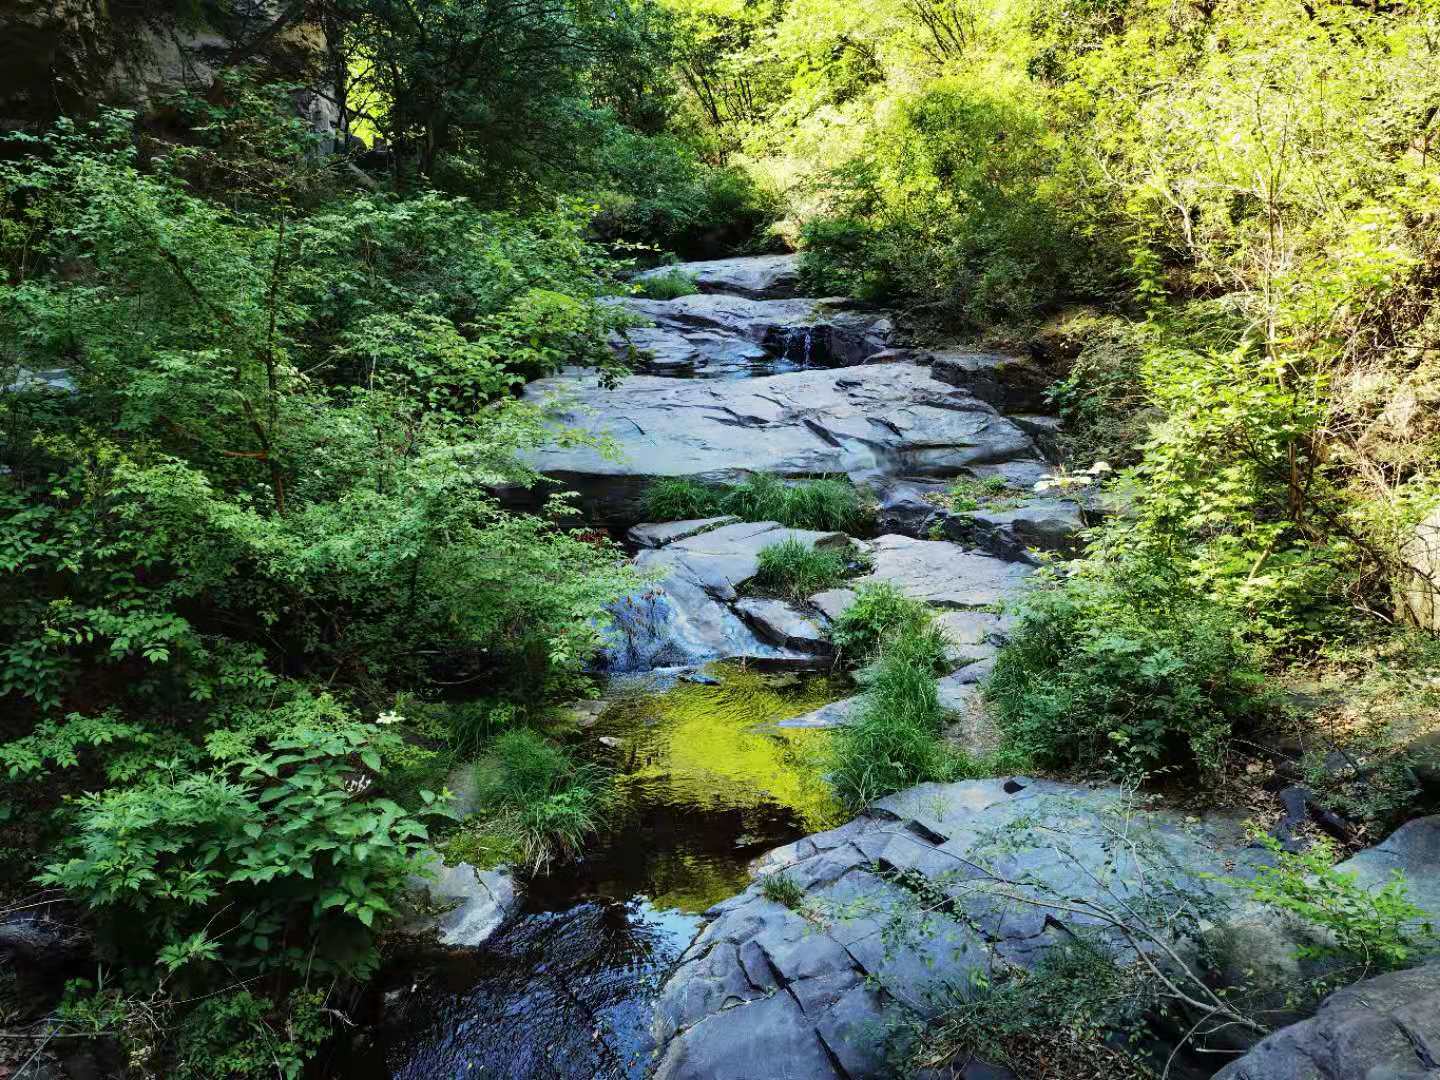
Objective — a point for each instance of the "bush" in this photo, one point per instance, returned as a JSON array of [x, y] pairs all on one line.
[[1123, 669], [551, 801], [829, 503], [796, 571], [894, 740], [667, 285], [880, 611], [1367, 931]]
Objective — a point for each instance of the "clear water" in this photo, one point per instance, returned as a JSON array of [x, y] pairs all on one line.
[[706, 784]]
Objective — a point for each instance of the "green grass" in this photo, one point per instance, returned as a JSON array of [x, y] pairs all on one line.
[[681, 499], [880, 611], [828, 503], [669, 285], [894, 741], [782, 889], [540, 796], [796, 571]]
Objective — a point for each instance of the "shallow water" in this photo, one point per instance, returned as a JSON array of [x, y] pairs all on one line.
[[706, 784]]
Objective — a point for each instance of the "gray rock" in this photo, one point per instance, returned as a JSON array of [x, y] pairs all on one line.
[[944, 574], [656, 534], [904, 508], [832, 602], [760, 277], [1385, 1028], [1417, 594], [783, 624], [835, 969], [886, 420], [475, 904], [34, 381], [687, 618], [805, 331], [1010, 383], [1048, 525], [827, 716], [1413, 850]]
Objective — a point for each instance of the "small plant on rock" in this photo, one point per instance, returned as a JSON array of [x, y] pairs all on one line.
[[782, 889], [668, 285]]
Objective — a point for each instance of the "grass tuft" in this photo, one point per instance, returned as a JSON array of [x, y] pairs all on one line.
[[539, 793], [782, 889], [796, 571], [828, 503], [669, 285]]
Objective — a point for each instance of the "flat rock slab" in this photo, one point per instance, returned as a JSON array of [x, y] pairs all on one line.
[[944, 574], [827, 716], [888, 419], [1017, 533], [1385, 1028], [656, 534], [760, 277], [813, 987]]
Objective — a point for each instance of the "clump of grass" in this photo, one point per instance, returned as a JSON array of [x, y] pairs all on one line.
[[894, 740], [541, 795], [796, 571], [679, 498], [782, 889], [668, 285], [827, 503], [880, 611]]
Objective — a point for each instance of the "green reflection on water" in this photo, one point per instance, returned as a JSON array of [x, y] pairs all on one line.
[[715, 749]]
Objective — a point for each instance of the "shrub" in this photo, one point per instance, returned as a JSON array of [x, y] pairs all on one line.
[[667, 285], [894, 740], [796, 571], [679, 498], [1048, 1023], [537, 788], [1123, 669], [880, 611], [1367, 930]]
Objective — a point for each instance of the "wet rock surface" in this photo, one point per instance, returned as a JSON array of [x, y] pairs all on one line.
[[886, 420], [468, 906]]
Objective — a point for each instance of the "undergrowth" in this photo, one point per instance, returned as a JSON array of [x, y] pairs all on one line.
[[796, 571]]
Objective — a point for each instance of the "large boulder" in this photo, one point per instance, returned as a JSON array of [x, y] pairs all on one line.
[[1418, 590], [1385, 1028], [759, 277], [1010, 383], [814, 988], [889, 419], [463, 907]]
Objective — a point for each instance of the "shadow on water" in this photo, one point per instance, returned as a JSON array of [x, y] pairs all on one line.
[[705, 784]]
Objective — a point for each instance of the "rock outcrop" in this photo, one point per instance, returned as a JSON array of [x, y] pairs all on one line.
[[875, 422], [814, 987], [1385, 1028], [694, 612], [760, 277]]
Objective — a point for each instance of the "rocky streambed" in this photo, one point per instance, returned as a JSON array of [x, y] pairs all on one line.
[[663, 951]]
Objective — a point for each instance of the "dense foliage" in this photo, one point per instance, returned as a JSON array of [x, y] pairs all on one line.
[[264, 507]]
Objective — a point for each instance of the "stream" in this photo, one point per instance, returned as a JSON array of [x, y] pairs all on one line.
[[706, 784]]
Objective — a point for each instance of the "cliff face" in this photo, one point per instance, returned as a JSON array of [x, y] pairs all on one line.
[[65, 57]]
